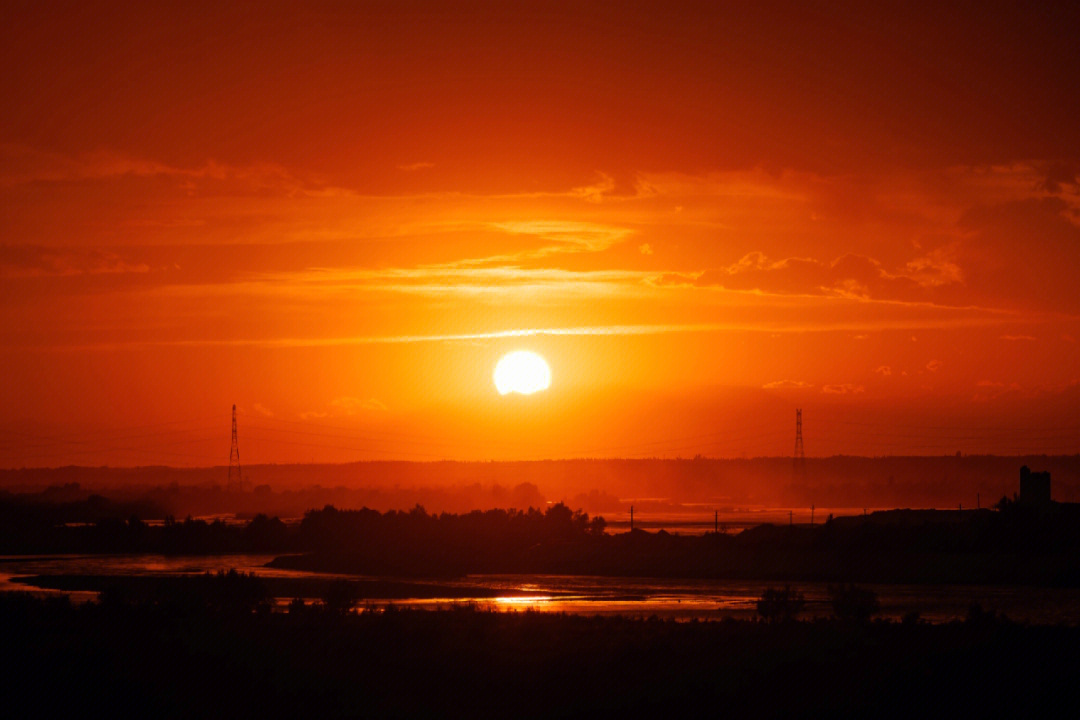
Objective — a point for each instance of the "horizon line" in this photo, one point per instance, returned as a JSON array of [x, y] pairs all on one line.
[[491, 461]]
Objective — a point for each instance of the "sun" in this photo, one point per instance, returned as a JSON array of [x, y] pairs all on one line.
[[522, 371]]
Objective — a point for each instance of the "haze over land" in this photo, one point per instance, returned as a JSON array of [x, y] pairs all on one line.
[[677, 490]]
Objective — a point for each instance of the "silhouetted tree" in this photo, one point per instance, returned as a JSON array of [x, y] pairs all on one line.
[[976, 615], [234, 592], [339, 597], [265, 533], [777, 605], [853, 604]]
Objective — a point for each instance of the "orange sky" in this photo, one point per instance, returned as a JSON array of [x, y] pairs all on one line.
[[339, 216]]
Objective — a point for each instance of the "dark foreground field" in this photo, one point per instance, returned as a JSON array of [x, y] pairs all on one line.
[[217, 660]]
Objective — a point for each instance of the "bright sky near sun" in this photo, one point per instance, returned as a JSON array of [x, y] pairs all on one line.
[[341, 216]]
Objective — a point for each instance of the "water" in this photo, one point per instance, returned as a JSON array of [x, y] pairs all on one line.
[[13, 567], [712, 599], [591, 595], [699, 518]]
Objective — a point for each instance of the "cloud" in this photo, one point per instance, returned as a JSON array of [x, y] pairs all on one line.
[[991, 390], [933, 365], [412, 167], [1023, 253], [850, 275], [23, 164], [352, 406], [884, 370], [262, 410], [569, 331], [459, 280], [843, 389], [935, 269], [787, 385], [597, 191], [442, 260], [21, 261], [1057, 175], [1016, 337], [572, 235]]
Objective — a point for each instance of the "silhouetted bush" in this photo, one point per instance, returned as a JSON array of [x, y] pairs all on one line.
[[61, 659], [233, 592], [339, 597], [780, 605], [976, 615], [853, 604]]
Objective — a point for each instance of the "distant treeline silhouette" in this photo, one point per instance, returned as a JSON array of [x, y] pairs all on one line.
[[418, 543], [384, 537], [1012, 545], [596, 486], [37, 533]]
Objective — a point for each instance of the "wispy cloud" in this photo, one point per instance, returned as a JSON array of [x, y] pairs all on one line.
[[850, 275], [352, 406], [26, 262], [23, 164], [771, 327], [571, 235], [843, 389], [787, 385], [450, 280]]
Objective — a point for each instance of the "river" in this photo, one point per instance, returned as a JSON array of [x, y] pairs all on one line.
[[591, 595]]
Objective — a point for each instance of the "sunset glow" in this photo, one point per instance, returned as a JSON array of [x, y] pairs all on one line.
[[540, 358], [337, 217]]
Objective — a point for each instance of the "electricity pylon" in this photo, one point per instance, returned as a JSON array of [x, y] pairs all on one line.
[[235, 477]]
